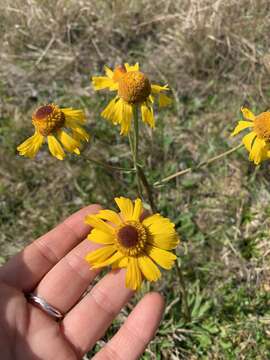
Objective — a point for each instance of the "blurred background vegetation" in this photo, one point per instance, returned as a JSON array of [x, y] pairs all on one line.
[[215, 56]]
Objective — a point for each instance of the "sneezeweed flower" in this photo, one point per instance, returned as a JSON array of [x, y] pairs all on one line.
[[133, 89], [132, 242], [50, 124], [257, 142]]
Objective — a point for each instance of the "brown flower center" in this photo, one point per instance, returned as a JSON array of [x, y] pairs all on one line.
[[134, 87], [48, 118], [131, 238], [128, 236], [262, 126]]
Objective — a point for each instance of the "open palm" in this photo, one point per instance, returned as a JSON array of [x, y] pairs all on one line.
[[53, 267]]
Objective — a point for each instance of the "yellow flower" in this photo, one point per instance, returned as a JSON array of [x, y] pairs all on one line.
[[257, 142], [133, 89], [132, 243], [49, 122]]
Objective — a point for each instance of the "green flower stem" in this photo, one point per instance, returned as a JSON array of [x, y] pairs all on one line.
[[184, 295], [140, 175], [201, 164]]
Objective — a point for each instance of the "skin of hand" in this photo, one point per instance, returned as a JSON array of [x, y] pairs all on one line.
[[53, 267]]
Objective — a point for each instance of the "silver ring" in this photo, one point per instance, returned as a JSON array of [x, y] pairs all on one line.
[[43, 305]]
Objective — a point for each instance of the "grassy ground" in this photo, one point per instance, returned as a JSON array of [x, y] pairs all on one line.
[[215, 57]]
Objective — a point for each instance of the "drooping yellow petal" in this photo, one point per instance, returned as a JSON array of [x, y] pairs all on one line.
[[161, 231], [241, 126], [126, 207], [156, 89], [104, 82], [101, 237], [164, 100], [126, 116], [117, 256], [248, 140], [78, 131], [257, 151], [74, 116], [135, 67], [100, 255], [133, 276], [110, 111], [137, 210], [95, 222], [248, 114], [110, 216], [31, 146], [148, 268], [55, 147], [68, 142], [148, 114], [162, 257]]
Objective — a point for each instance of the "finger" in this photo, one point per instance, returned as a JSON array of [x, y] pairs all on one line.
[[138, 330], [65, 283], [27, 268], [90, 318]]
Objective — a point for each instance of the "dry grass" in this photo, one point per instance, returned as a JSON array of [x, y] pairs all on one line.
[[215, 57]]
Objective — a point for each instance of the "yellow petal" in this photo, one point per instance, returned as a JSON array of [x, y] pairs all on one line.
[[248, 140], [248, 114], [125, 117], [164, 100], [148, 268], [78, 131], [257, 151], [108, 72], [101, 237], [111, 111], [137, 210], [95, 222], [104, 82], [132, 67], [126, 207], [122, 263], [55, 147], [148, 114], [161, 232], [68, 142], [31, 146], [110, 216], [163, 258], [241, 126], [133, 276], [156, 89], [110, 261], [74, 116], [100, 255]]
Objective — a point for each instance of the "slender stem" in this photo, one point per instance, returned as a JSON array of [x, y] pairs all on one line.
[[201, 164], [105, 165], [134, 146], [140, 175], [148, 189], [184, 299]]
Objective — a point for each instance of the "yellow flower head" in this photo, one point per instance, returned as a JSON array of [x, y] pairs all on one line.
[[132, 243], [50, 123], [133, 89], [257, 142]]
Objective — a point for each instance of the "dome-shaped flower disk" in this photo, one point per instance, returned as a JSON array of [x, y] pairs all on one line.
[[50, 124], [257, 142], [133, 89], [129, 242]]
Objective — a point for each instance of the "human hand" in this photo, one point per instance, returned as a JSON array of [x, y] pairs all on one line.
[[53, 267]]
